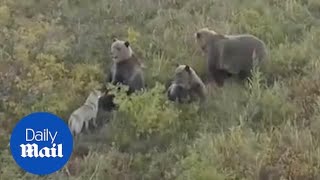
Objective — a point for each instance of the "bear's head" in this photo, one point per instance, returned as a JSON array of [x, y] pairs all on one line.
[[178, 93], [184, 76], [205, 36], [120, 50]]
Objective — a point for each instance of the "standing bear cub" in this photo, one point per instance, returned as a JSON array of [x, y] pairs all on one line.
[[186, 86], [229, 55], [126, 68]]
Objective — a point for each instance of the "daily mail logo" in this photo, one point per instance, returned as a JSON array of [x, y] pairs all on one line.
[[41, 143], [32, 150]]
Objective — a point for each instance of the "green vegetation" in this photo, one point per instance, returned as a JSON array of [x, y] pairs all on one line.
[[52, 53]]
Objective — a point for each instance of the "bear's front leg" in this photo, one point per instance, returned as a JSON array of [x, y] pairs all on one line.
[[243, 75], [218, 77]]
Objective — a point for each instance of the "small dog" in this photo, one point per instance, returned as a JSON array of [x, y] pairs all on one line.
[[88, 111]]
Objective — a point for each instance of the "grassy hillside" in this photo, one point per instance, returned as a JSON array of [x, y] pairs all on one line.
[[53, 52]]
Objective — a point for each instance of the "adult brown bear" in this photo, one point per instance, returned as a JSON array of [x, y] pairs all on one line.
[[229, 55]]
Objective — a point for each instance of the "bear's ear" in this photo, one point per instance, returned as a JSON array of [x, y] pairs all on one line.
[[114, 39], [187, 68], [176, 64], [126, 43], [198, 35]]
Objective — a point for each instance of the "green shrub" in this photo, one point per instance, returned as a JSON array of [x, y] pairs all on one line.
[[149, 119], [148, 112], [268, 105]]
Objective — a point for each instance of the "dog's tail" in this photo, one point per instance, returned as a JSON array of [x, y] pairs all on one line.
[[75, 124]]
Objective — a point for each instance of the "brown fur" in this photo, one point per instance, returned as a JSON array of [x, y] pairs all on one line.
[[128, 72], [229, 55], [186, 86], [126, 68]]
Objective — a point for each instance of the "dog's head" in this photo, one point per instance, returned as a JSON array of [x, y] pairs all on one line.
[[94, 97]]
